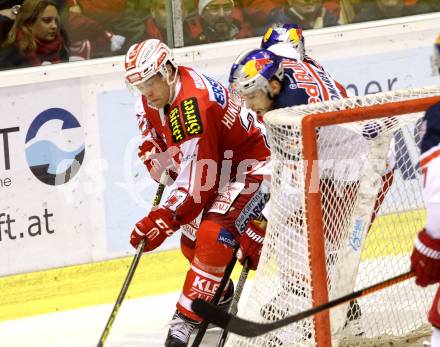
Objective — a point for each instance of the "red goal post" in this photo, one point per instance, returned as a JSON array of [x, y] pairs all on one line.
[[310, 124], [335, 167]]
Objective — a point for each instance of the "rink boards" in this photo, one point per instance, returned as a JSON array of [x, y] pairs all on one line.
[[79, 206], [158, 273]]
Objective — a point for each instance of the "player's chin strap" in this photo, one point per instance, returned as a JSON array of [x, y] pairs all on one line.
[[171, 85]]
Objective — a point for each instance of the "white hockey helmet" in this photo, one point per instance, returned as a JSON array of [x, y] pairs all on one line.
[[145, 59]]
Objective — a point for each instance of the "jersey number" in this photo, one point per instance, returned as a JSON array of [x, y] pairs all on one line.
[[249, 120]]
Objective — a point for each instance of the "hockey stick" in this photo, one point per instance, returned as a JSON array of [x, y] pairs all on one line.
[[234, 304], [129, 276], [247, 328], [215, 299]]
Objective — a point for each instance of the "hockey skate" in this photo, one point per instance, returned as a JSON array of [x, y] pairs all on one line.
[[180, 330]]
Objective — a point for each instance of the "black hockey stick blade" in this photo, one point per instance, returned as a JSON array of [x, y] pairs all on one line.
[[232, 323], [248, 328]]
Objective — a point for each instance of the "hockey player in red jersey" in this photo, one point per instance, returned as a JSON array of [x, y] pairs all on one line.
[[216, 149], [425, 258]]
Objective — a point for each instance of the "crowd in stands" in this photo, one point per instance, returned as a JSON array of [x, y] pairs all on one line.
[[35, 32]]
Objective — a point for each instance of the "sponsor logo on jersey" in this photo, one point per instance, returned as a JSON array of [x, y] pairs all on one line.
[[304, 80], [176, 199], [216, 92], [190, 229], [252, 210], [197, 80], [175, 125], [203, 286], [225, 237], [191, 116], [226, 197], [329, 85]]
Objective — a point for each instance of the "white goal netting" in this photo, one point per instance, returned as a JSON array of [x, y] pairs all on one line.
[[368, 213]]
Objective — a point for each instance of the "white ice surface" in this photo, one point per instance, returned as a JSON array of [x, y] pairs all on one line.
[[140, 322]]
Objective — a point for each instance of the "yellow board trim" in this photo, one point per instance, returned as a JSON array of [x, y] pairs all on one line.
[[91, 284], [157, 273]]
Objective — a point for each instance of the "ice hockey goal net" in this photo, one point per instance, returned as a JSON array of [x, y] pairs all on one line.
[[346, 205]]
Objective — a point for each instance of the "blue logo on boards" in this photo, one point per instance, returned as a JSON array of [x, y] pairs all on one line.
[[55, 146]]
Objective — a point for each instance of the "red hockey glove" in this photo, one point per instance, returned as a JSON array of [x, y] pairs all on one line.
[[157, 159], [156, 227], [425, 259], [251, 242]]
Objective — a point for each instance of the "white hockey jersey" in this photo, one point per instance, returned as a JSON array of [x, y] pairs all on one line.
[[430, 165]]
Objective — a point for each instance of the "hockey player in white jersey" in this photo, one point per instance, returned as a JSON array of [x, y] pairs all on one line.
[[425, 258]]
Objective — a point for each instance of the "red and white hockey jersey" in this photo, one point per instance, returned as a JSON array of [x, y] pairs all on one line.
[[210, 138]]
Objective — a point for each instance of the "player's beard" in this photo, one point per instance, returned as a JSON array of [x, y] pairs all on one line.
[[222, 26]]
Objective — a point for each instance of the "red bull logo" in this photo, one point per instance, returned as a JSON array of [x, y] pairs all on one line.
[[255, 66], [266, 36], [295, 36]]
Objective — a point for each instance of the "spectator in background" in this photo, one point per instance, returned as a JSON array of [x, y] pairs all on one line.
[[36, 37], [156, 23], [256, 11], [141, 20], [188, 6], [8, 11], [214, 21], [144, 19], [309, 14], [90, 24], [434, 5], [383, 9]]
